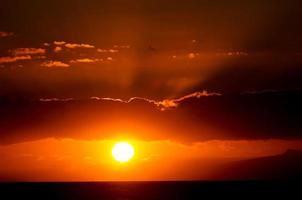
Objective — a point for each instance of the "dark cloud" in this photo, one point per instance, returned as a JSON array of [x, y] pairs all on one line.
[[251, 116], [155, 49], [5, 34], [251, 24], [253, 73]]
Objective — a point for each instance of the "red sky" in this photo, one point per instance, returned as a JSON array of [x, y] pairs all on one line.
[[186, 81]]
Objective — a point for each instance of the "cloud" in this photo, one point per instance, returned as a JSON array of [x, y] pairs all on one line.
[[107, 50], [86, 60], [193, 118], [122, 46], [59, 43], [166, 103], [73, 46], [14, 59], [232, 53], [57, 49], [172, 103], [41, 57], [55, 99], [5, 34], [54, 64], [29, 51], [192, 55], [251, 74]]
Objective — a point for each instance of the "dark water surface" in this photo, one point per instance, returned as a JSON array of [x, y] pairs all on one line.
[[153, 190]]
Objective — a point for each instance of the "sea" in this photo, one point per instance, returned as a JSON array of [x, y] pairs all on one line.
[[160, 190]]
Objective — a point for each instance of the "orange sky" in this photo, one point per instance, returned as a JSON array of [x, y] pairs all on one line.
[[192, 84], [78, 160]]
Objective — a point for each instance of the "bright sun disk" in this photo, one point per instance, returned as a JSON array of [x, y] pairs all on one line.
[[122, 151]]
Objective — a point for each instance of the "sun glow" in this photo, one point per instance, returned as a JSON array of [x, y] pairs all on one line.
[[122, 152]]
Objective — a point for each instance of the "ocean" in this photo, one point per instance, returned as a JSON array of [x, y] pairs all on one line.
[[153, 190]]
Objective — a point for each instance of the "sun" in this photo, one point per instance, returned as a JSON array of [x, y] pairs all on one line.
[[122, 152]]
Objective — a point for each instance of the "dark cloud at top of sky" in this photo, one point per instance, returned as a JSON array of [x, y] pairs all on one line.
[[252, 25], [250, 116], [267, 33]]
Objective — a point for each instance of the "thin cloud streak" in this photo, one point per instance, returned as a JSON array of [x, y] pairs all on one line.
[[5, 34], [85, 60], [74, 45], [14, 59], [28, 51], [54, 64]]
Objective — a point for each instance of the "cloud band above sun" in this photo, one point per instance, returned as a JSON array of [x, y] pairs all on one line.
[[196, 117]]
